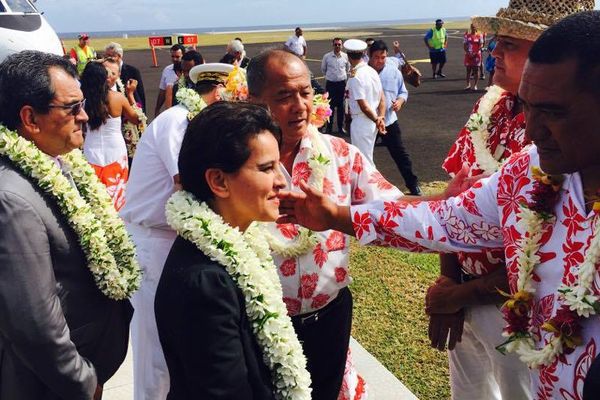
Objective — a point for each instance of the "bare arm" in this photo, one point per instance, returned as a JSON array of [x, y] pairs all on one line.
[[159, 102]]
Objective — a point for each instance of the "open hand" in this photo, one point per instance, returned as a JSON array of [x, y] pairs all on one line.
[[310, 208], [461, 182], [446, 329]]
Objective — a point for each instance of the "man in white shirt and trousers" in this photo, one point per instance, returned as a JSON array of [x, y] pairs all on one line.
[[366, 101], [154, 178]]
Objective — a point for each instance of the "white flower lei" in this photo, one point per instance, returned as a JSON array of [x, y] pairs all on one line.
[[247, 260], [478, 125], [89, 211], [319, 160], [191, 100], [131, 131], [579, 296]]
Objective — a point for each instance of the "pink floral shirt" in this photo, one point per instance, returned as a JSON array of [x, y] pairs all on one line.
[[490, 221], [312, 280], [506, 137]]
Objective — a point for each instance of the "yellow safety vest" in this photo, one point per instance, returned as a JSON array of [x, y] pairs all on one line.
[[83, 56], [438, 38]]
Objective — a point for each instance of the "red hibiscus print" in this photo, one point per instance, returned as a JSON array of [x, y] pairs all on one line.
[[430, 235], [293, 305], [340, 147], [573, 219], [289, 231], [328, 189], [308, 284], [288, 267], [319, 300], [361, 224], [541, 311], [510, 185], [320, 255], [402, 243], [548, 379], [301, 172], [357, 166], [468, 201], [335, 241], [386, 224], [340, 274], [358, 194], [344, 173], [382, 183], [582, 367], [573, 257], [394, 208]]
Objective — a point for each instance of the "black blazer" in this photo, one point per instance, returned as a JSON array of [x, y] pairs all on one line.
[[59, 335], [204, 331], [131, 72]]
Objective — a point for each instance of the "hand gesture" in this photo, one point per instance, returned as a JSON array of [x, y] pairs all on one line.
[[131, 85], [311, 208], [446, 329], [461, 182]]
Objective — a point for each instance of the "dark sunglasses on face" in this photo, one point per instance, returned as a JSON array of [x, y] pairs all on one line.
[[74, 109]]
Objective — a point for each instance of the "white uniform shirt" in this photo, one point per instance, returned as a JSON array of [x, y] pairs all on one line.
[[296, 44], [155, 164], [335, 68], [485, 216], [168, 77], [364, 85]]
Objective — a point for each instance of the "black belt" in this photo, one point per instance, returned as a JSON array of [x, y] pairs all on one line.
[[314, 316]]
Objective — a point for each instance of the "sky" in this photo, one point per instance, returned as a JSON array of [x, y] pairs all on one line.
[[121, 15]]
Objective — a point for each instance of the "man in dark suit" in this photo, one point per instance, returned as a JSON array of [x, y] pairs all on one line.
[[115, 50], [60, 336]]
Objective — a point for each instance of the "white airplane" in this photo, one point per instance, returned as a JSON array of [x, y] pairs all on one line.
[[23, 27]]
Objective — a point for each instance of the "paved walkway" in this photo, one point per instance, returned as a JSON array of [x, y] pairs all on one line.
[[382, 384]]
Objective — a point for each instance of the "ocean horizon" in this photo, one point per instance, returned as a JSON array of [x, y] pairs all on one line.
[[259, 28]]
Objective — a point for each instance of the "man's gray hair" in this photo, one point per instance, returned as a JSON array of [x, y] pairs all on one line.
[[236, 46], [116, 47]]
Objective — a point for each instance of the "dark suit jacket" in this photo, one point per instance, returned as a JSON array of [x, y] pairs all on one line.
[[204, 331], [59, 335], [131, 72]]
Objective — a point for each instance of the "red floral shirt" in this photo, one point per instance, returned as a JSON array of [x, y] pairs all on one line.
[[447, 226], [506, 136], [312, 280]]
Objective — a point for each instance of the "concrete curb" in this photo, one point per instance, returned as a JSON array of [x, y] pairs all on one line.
[[382, 385]]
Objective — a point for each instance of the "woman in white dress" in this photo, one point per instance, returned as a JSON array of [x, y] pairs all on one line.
[[104, 146]]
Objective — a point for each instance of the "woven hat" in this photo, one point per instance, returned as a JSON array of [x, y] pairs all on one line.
[[527, 19]]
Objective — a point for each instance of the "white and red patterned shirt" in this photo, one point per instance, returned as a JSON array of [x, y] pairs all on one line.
[[506, 137], [448, 226], [312, 280]]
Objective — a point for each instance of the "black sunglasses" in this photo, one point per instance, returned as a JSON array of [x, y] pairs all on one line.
[[74, 109]]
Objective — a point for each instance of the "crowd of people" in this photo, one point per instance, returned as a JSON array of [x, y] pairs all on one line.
[[217, 238]]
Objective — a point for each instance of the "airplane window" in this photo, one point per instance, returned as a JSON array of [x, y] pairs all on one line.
[[20, 6]]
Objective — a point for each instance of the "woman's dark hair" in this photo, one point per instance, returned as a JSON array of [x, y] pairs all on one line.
[[218, 138], [95, 90], [227, 59]]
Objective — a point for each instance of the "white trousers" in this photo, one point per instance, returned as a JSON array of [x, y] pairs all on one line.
[[150, 373], [363, 133], [480, 372]]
